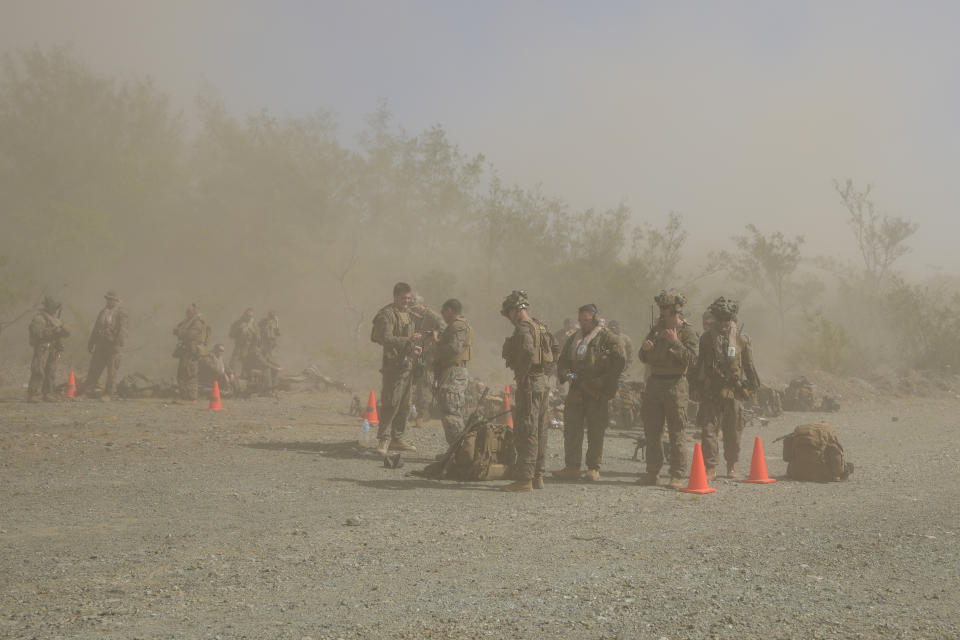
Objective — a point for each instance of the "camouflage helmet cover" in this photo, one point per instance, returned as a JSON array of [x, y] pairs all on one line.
[[670, 298], [723, 309], [516, 300]]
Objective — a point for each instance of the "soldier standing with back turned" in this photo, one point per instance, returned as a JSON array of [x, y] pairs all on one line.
[[192, 333], [46, 332], [529, 352], [452, 353], [107, 338], [669, 350], [722, 379]]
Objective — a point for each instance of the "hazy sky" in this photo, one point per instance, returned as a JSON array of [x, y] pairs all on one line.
[[729, 112]]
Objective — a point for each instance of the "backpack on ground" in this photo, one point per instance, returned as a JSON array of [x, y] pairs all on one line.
[[813, 453], [483, 453]]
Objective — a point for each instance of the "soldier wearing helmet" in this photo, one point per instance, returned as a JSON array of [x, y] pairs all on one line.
[[530, 352], [669, 350], [106, 340], [723, 377], [46, 337]]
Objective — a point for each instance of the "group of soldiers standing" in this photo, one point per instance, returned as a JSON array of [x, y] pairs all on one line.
[[253, 358], [715, 369]]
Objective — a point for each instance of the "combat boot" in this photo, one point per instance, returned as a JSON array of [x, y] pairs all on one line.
[[399, 444], [676, 483], [711, 473], [732, 470], [383, 446], [519, 485], [538, 482], [591, 475], [567, 473], [649, 479]]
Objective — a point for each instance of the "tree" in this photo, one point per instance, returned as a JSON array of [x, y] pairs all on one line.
[[881, 239], [766, 264]]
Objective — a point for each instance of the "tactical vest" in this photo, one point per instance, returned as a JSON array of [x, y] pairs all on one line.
[[543, 344]]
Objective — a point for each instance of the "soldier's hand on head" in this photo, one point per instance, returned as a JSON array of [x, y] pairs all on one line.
[[647, 345]]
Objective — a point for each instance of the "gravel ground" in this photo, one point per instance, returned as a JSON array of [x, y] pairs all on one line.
[[139, 519]]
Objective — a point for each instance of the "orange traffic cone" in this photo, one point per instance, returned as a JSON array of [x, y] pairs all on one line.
[[506, 406], [371, 414], [698, 474], [215, 397], [71, 391], [758, 465]]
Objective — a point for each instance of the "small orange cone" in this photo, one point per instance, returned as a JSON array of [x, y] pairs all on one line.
[[506, 406], [215, 397], [698, 474], [758, 465], [371, 414], [71, 391]]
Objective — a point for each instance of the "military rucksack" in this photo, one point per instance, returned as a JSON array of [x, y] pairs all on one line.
[[813, 452], [798, 395], [770, 401], [484, 453]]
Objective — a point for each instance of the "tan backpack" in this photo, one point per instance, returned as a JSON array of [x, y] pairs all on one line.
[[483, 453], [813, 453]]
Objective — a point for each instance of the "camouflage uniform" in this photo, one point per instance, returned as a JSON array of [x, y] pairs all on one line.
[[212, 368], [453, 352], [393, 330], [265, 367], [192, 333], [665, 396], [723, 382], [423, 375], [244, 333], [107, 338], [46, 337], [528, 354], [594, 370]]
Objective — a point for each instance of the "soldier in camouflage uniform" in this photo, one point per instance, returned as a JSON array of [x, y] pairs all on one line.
[[426, 321], [245, 334], [669, 350], [591, 360], [107, 338], [46, 332], [723, 377], [393, 329], [530, 353], [212, 368], [192, 334], [625, 340], [454, 348]]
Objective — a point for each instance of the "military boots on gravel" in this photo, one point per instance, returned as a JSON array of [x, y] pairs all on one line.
[[538, 482], [399, 444], [711, 474], [591, 475], [676, 483], [567, 473], [519, 485], [383, 446], [732, 470]]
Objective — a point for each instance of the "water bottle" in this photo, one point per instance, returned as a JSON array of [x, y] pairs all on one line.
[[366, 434]]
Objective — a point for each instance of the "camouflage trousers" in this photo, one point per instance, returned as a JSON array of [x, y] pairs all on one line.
[[238, 359], [188, 371], [530, 426], [395, 403], [584, 412], [665, 400], [720, 414], [43, 370], [452, 397], [423, 382], [103, 357]]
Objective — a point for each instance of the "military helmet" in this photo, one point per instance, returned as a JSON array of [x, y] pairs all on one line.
[[111, 295], [670, 298], [50, 303], [614, 326], [516, 300], [723, 309]]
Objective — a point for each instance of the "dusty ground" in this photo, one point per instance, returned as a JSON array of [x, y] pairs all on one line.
[[138, 519]]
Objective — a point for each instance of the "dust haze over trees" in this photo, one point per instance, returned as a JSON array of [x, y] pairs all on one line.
[[106, 185]]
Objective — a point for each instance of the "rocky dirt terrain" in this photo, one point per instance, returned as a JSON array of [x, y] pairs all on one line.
[[143, 519]]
